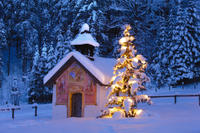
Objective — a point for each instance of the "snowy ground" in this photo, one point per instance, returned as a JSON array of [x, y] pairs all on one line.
[[161, 117]]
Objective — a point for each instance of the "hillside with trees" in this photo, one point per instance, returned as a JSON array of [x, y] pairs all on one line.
[[36, 34]]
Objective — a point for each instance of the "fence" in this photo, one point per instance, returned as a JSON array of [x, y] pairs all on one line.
[[175, 97], [13, 109]]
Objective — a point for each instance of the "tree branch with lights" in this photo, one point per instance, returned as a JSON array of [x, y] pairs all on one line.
[[128, 79]]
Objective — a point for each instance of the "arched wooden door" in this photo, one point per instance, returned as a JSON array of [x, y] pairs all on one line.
[[76, 107]]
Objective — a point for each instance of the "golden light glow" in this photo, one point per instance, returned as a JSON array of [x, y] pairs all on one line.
[[135, 60], [121, 98], [107, 116], [130, 100], [122, 40], [116, 109], [132, 38], [110, 99], [144, 66], [145, 96], [115, 86], [143, 61], [132, 82], [113, 78], [138, 112], [123, 47]]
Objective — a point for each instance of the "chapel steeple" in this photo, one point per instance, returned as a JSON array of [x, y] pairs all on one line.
[[84, 42]]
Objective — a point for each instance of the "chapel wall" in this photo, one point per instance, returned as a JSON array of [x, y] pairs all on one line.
[[75, 79]]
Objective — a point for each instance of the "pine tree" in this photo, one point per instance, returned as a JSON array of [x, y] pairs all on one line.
[[34, 78], [3, 41], [27, 38], [51, 61], [45, 92], [142, 15], [38, 92], [62, 48], [111, 20], [193, 33], [174, 61], [43, 60], [100, 28], [3, 44], [158, 65], [59, 51], [87, 13], [93, 13], [1, 71], [128, 80], [179, 57]]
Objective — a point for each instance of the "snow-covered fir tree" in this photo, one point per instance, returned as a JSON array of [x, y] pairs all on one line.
[[181, 61], [62, 47], [43, 60], [45, 92], [142, 15], [87, 13], [38, 92], [158, 65], [174, 60], [193, 33], [158, 68], [3, 44], [3, 40], [179, 56], [67, 41], [27, 38], [129, 78], [34, 76], [1, 71], [113, 18], [48, 24], [51, 61]]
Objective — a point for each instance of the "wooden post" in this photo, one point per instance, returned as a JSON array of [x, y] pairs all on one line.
[[35, 110], [175, 99], [13, 113], [35, 107], [182, 85], [199, 100]]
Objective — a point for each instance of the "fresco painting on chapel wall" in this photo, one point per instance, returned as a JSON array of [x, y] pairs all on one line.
[[75, 79]]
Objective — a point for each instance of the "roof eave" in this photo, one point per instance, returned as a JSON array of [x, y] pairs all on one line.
[[54, 76]]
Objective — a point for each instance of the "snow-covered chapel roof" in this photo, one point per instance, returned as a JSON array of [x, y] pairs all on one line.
[[101, 68], [84, 37]]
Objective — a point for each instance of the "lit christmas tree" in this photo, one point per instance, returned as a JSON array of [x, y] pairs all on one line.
[[128, 79]]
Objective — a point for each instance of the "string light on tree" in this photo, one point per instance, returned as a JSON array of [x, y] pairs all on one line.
[[128, 78]]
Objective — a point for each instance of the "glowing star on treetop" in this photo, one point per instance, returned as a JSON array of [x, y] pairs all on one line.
[[128, 79]]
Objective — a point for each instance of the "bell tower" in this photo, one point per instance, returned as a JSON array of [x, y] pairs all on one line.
[[84, 42]]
